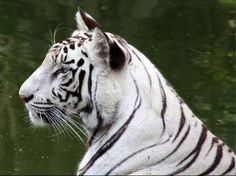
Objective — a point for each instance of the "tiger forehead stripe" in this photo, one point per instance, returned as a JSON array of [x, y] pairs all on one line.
[[65, 49], [72, 46], [71, 43]]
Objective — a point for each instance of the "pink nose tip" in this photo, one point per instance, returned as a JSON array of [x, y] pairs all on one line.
[[26, 98]]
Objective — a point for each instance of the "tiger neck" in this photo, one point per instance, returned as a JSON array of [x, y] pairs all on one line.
[[120, 119], [144, 91]]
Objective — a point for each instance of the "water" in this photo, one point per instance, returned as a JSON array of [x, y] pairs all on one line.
[[191, 42]]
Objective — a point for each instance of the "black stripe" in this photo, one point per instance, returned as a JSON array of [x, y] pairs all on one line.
[[182, 122], [90, 80], [66, 84], [231, 166], [101, 136], [164, 105], [68, 40], [99, 117], [79, 43], [187, 165], [80, 62], [110, 142], [88, 35], [214, 140], [53, 92], [199, 144], [77, 93], [113, 139], [130, 58], [100, 121], [81, 79], [216, 160], [69, 62], [54, 58], [66, 97], [133, 154], [177, 147], [194, 152], [125, 46], [137, 90], [72, 46], [84, 53], [73, 71], [64, 59], [65, 49]]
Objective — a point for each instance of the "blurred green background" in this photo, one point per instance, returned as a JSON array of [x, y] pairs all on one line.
[[191, 42]]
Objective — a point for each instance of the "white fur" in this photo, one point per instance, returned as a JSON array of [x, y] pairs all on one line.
[[115, 95], [146, 127]]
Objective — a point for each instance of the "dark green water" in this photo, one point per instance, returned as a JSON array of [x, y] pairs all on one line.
[[191, 42]]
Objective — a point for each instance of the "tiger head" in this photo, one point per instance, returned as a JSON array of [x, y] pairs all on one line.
[[78, 77]]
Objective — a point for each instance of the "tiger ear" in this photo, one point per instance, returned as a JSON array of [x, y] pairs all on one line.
[[108, 50], [85, 21]]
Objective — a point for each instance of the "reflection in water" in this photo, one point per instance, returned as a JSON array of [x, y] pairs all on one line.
[[191, 42]]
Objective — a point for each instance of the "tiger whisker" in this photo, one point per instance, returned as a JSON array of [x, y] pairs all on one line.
[[69, 127], [85, 131], [53, 37], [70, 111], [57, 122], [76, 115], [41, 119], [62, 123], [72, 130], [75, 125], [55, 126]]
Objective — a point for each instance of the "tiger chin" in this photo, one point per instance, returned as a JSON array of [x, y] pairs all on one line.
[[138, 124]]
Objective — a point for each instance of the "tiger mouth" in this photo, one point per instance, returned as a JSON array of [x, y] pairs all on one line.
[[50, 114], [60, 119], [38, 115]]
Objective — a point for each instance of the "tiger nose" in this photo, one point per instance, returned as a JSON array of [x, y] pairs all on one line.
[[26, 98]]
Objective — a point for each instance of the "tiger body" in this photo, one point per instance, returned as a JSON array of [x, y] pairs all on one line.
[[156, 124], [138, 123]]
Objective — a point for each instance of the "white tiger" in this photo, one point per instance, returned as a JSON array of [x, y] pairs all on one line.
[[138, 124]]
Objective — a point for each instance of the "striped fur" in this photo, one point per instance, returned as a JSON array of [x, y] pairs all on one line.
[[138, 123]]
